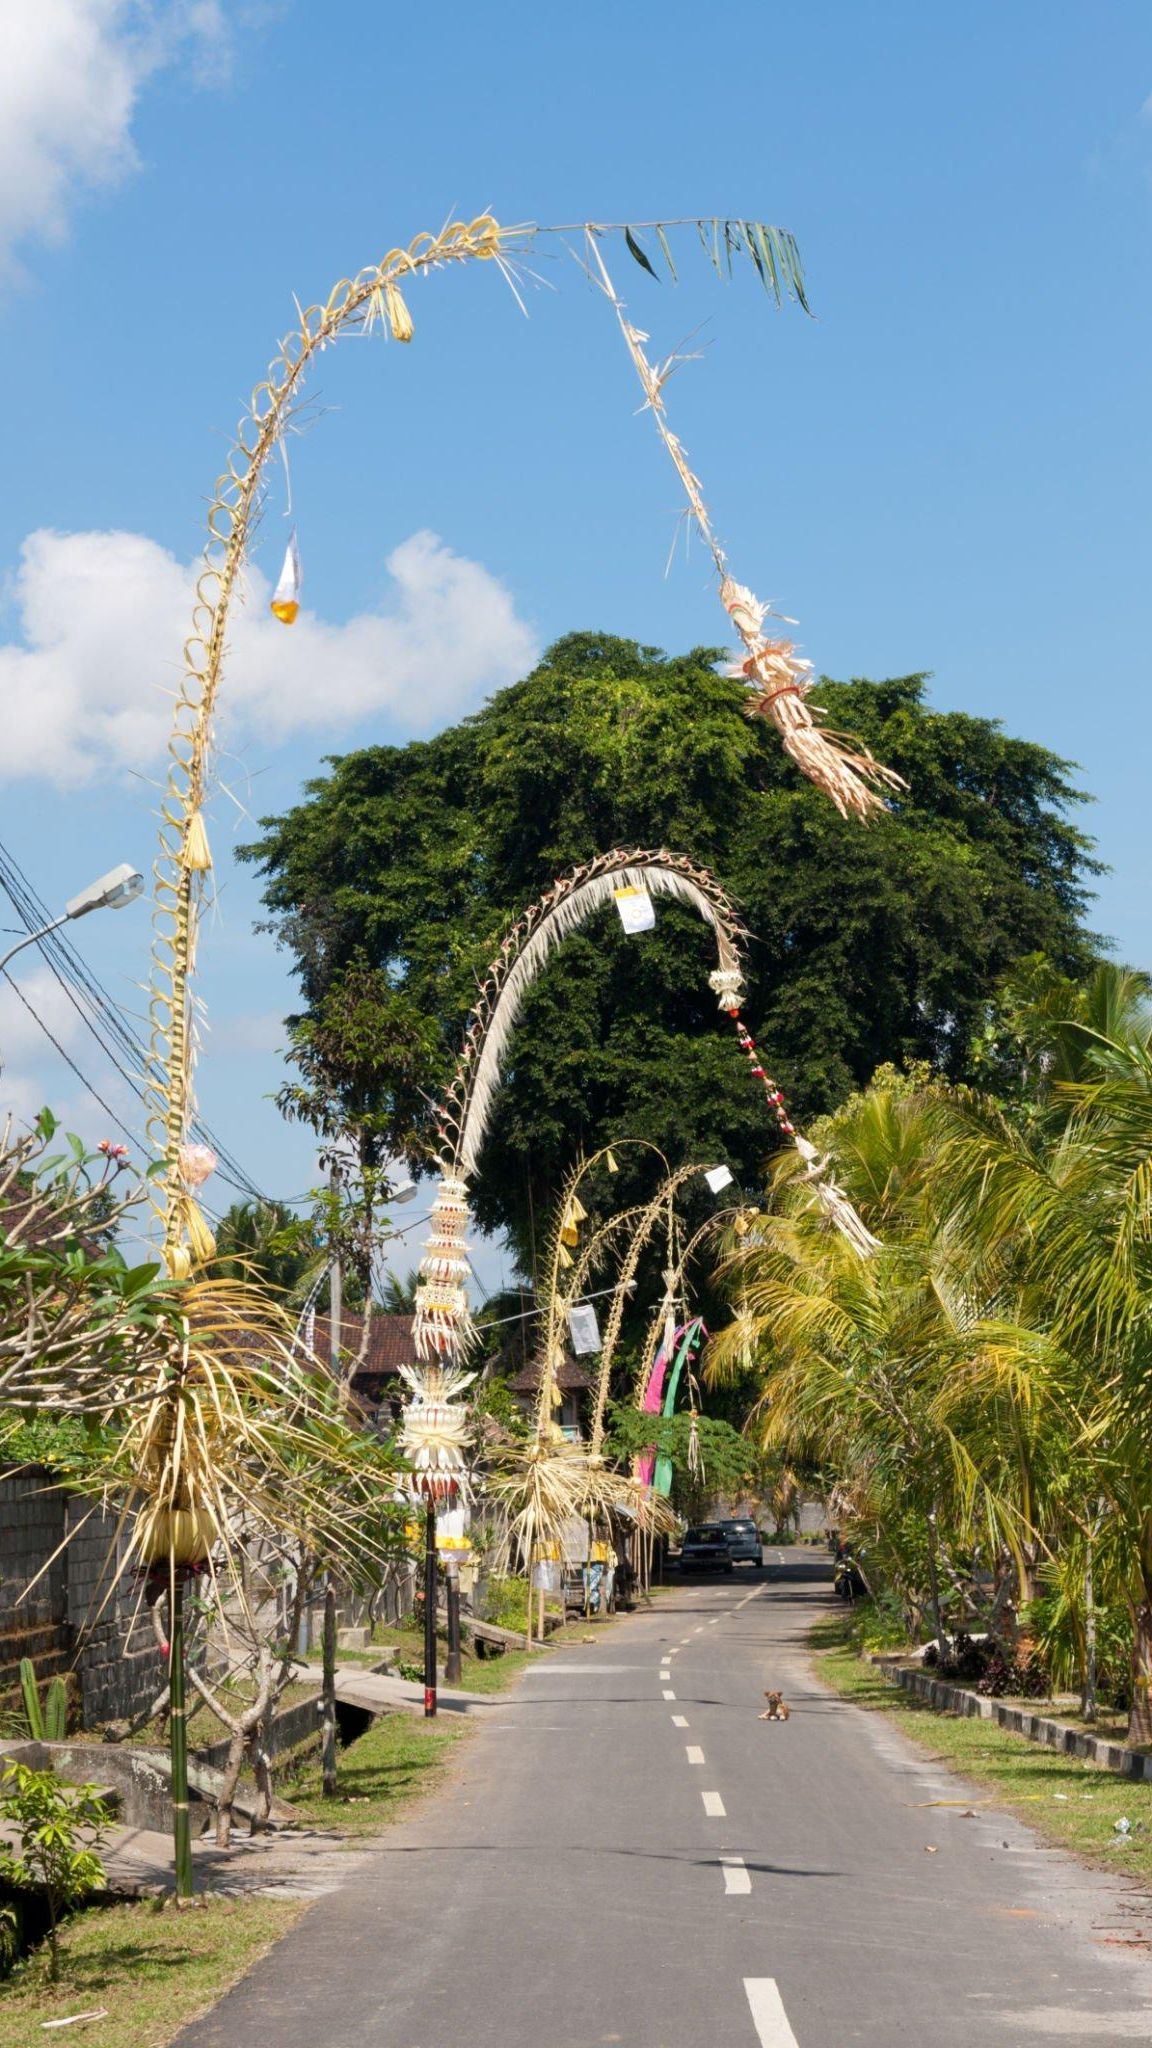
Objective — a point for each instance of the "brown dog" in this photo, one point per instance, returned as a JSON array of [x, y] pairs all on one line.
[[778, 1708]]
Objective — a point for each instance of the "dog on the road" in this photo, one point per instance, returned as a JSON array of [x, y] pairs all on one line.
[[778, 1708]]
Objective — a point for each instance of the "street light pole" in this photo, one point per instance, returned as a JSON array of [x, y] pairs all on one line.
[[122, 885]]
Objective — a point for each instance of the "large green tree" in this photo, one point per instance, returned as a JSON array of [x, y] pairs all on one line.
[[869, 943]]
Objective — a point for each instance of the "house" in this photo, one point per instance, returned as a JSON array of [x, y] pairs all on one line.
[[574, 1383], [376, 1381]]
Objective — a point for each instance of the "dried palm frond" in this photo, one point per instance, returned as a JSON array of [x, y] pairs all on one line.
[[208, 1413], [576, 897], [778, 680]]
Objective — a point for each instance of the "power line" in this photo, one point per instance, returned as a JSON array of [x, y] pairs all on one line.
[[86, 994], [76, 974]]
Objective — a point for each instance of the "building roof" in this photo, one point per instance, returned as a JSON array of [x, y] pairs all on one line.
[[571, 1377], [390, 1342]]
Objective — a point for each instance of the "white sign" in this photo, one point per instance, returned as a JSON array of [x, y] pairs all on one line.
[[719, 1177], [637, 911], [584, 1329]]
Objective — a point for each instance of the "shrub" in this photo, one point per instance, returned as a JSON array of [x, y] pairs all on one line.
[[48, 1818]]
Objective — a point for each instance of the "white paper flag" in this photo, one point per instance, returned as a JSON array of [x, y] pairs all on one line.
[[637, 911], [719, 1177], [584, 1329]]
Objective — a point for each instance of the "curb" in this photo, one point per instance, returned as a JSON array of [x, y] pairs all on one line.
[[956, 1699]]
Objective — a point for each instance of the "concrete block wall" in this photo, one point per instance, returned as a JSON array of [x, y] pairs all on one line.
[[69, 1620], [117, 1658], [31, 1528]]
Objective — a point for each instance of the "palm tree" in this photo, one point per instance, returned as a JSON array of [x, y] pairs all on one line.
[[398, 1296], [266, 1242], [1067, 1205]]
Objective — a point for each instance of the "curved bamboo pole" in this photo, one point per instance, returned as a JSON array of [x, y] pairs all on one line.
[[657, 1209], [354, 303], [183, 861], [443, 1324], [560, 1298]]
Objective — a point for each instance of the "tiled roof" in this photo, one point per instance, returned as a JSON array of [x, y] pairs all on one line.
[[390, 1343], [571, 1378]]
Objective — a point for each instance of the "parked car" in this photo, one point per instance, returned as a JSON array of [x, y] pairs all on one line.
[[706, 1550], [743, 1539]]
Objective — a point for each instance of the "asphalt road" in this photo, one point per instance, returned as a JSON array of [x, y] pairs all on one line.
[[628, 1855]]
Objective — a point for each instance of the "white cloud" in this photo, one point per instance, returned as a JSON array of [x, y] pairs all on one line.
[[71, 75], [87, 688]]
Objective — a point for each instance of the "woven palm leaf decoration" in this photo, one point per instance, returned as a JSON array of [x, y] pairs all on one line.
[[375, 300], [778, 680]]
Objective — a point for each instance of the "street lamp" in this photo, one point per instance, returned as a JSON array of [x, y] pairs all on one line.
[[113, 890]]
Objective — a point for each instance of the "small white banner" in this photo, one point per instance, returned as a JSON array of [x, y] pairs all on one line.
[[584, 1329], [637, 910], [719, 1177]]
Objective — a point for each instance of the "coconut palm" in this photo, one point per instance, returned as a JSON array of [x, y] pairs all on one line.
[[1066, 1205]]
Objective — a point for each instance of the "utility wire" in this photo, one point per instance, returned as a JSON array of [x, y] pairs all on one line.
[[76, 973], [73, 975]]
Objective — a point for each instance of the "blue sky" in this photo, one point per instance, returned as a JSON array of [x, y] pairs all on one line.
[[946, 470]]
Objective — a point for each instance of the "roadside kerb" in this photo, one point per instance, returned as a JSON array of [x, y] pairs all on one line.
[[957, 1699]]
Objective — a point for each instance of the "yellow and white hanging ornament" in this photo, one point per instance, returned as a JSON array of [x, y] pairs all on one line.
[[286, 596]]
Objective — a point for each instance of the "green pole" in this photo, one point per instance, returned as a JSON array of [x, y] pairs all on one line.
[[178, 1741]]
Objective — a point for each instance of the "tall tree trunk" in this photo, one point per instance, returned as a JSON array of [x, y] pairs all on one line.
[[328, 1692], [1140, 1717], [934, 1587], [1088, 1700]]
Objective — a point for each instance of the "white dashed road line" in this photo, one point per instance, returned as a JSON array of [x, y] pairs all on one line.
[[693, 1754], [714, 1806], [769, 2014], [668, 1695], [678, 1721], [736, 1877]]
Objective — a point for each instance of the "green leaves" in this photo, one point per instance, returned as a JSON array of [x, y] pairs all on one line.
[[772, 251], [636, 252]]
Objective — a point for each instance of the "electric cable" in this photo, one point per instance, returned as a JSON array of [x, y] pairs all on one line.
[[77, 981]]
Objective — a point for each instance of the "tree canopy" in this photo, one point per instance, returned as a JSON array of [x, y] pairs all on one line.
[[869, 944]]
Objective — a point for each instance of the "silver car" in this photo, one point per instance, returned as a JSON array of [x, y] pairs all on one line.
[[743, 1540]]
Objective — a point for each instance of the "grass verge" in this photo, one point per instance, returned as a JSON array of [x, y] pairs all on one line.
[[1070, 1803], [153, 1970], [396, 1761]]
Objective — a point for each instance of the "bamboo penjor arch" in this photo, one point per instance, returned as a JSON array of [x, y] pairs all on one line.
[[443, 1326], [777, 682]]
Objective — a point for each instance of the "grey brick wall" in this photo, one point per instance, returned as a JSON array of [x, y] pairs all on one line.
[[97, 1621], [31, 1527]]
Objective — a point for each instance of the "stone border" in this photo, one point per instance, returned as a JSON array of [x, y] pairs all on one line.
[[956, 1699]]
